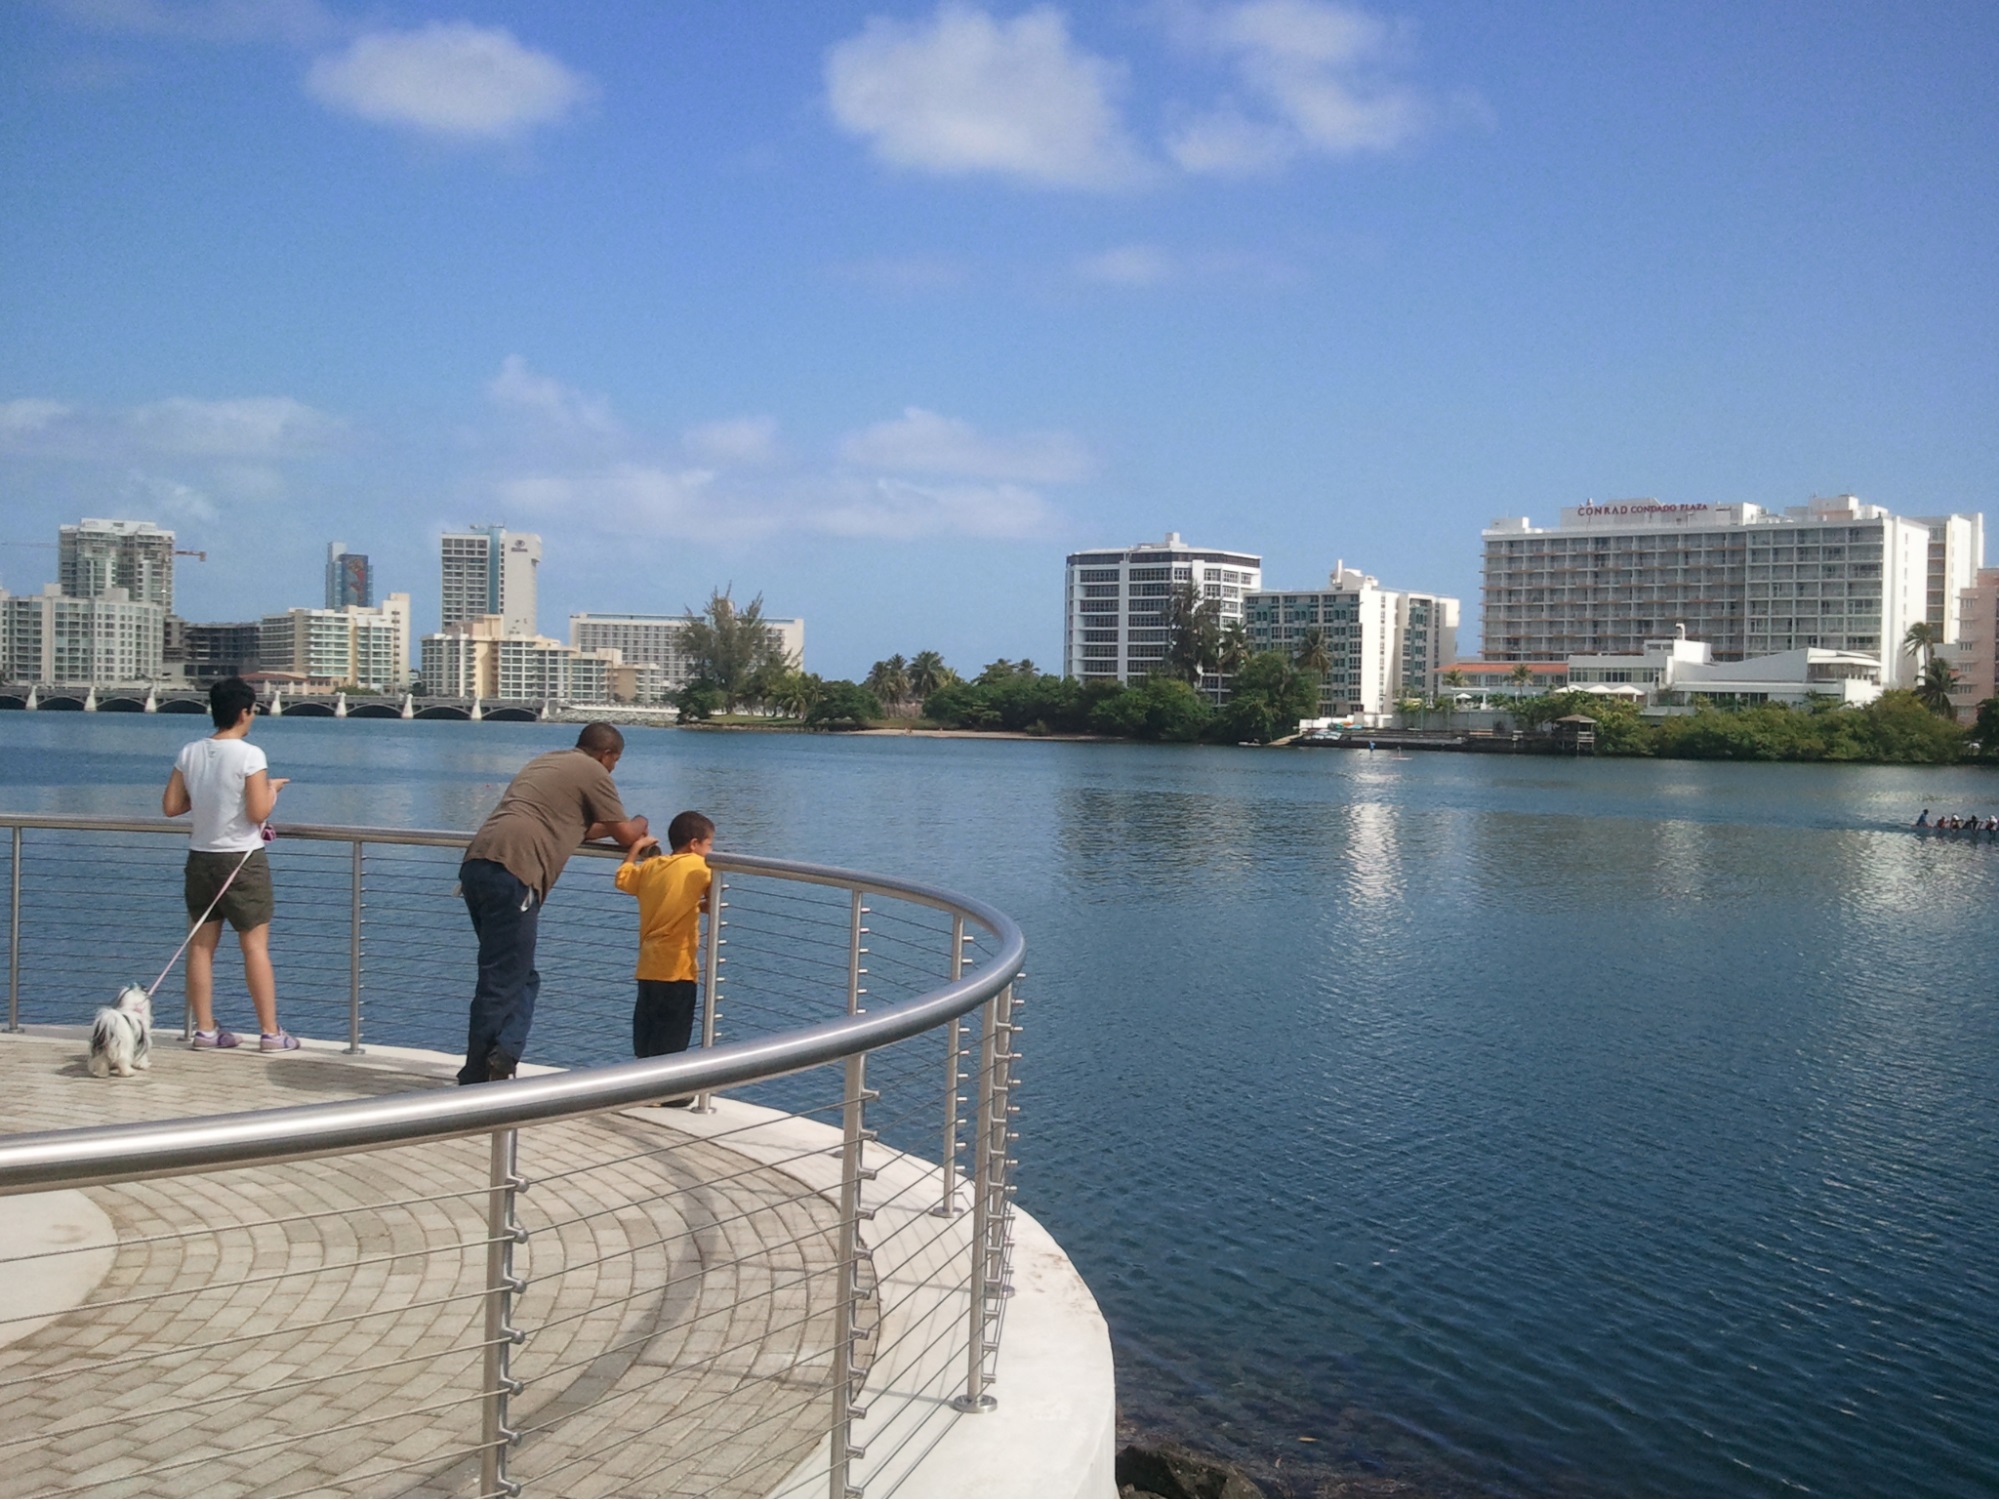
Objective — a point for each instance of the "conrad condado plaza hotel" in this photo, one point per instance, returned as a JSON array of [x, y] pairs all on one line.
[[1835, 575]]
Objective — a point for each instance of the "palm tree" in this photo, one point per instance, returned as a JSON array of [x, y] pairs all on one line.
[[1934, 687], [1313, 653], [1234, 648], [1922, 640], [889, 681], [1454, 678], [1522, 676], [927, 673], [795, 694], [1197, 633]]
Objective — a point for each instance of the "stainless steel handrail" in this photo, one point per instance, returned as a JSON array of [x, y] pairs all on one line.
[[126, 1153], [982, 1066]]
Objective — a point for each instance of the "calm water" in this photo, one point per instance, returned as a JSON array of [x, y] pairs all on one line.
[[1494, 1125]]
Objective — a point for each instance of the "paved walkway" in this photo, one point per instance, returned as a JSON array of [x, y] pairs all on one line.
[[316, 1328]]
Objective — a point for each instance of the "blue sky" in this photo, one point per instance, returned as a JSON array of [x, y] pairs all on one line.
[[879, 309]]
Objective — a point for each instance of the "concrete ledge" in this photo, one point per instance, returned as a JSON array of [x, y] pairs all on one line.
[[1052, 1432]]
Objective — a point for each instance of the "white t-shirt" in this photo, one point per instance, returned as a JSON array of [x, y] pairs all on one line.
[[215, 771]]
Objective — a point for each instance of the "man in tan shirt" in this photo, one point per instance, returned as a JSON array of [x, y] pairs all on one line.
[[557, 801]]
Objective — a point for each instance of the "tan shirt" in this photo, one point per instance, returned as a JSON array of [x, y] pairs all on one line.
[[546, 810]]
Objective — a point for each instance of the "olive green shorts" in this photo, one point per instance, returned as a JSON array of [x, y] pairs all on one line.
[[246, 904]]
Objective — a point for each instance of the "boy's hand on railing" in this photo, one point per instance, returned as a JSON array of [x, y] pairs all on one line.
[[642, 848]]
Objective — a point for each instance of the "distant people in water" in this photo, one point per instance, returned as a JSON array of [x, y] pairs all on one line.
[[1955, 823]]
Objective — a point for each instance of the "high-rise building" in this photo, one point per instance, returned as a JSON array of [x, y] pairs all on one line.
[[350, 579], [490, 571], [1384, 644], [1118, 620], [352, 647], [1836, 575], [94, 557], [661, 641], [105, 638]]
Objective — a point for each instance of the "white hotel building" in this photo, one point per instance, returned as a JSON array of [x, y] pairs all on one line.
[[1834, 575], [1118, 620], [1386, 644], [489, 571]]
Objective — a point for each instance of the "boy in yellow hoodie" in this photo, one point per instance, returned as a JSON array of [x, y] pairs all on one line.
[[672, 893]]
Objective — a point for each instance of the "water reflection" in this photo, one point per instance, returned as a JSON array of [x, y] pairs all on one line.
[[1506, 1125]]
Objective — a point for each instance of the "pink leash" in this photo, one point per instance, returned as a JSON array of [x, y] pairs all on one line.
[[202, 920]]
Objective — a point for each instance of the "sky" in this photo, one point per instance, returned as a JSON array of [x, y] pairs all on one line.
[[879, 309]]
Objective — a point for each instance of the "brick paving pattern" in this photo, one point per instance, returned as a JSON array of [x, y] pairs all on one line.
[[317, 1328]]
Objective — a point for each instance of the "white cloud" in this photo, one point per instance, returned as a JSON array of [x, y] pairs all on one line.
[[1142, 267], [895, 509], [451, 79], [906, 273], [175, 499], [631, 499], [560, 406], [748, 441], [1129, 265], [922, 442], [963, 93], [1317, 74], [252, 427], [29, 416]]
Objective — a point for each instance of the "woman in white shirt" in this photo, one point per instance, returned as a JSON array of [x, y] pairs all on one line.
[[225, 782]]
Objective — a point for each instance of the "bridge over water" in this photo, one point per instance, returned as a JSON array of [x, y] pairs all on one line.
[[148, 698]]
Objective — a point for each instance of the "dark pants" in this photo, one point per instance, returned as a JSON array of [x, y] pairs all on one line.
[[663, 1017], [506, 914]]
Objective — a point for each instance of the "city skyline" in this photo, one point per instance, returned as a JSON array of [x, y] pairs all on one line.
[[721, 296]]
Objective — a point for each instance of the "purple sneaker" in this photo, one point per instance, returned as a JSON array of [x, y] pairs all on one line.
[[277, 1041], [218, 1038]]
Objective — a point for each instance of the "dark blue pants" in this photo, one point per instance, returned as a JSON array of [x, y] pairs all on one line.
[[663, 1017], [506, 914]]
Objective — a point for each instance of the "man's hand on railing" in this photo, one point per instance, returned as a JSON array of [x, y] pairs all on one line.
[[624, 834]]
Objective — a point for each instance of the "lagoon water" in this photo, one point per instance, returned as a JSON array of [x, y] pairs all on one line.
[[1446, 1123]]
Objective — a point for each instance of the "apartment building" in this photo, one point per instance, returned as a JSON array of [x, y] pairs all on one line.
[[1118, 620], [106, 638], [1385, 644], [94, 557], [480, 658], [490, 571], [350, 578], [1974, 651], [333, 648], [661, 641], [1836, 575], [202, 653]]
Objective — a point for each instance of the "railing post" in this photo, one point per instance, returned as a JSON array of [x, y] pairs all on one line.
[[948, 1202], [853, 1171], [503, 1232], [974, 1398], [354, 959], [711, 975], [14, 939]]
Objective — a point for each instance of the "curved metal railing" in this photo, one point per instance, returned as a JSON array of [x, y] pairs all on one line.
[[824, 989]]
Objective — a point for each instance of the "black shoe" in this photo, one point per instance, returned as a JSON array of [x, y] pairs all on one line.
[[499, 1066]]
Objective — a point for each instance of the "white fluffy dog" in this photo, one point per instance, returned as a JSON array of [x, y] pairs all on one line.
[[122, 1040]]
